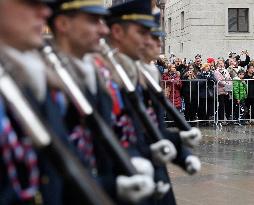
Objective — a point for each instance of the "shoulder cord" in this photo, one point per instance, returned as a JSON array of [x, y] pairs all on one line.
[[22, 151]]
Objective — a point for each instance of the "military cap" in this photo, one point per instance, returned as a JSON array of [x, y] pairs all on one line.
[[157, 31], [138, 11], [49, 2], [46, 1], [86, 6]]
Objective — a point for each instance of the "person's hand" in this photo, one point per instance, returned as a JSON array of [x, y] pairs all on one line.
[[134, 188], [192, 137], [143, 166], [193, 164], [163, 151], [238, 101], [161, 189]]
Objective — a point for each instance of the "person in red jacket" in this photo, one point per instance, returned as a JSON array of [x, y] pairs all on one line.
[[173, 86]]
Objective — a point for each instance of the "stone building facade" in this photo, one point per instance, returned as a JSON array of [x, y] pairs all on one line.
[[212, 28]]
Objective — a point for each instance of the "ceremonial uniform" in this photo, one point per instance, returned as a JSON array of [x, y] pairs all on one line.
[[48, 181], [27, 176], [137, 13], [87, 79]]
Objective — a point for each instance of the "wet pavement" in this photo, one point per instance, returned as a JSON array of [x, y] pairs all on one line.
[[227, 176]]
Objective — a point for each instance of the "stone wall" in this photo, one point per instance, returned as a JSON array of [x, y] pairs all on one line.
[[205, 28]]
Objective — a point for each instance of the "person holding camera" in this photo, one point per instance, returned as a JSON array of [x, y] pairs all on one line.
[[243, 63], [233, 68], [238, 59]]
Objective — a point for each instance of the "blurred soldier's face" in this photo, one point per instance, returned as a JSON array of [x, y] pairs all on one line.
[[21, 23], [152, 48], [82, 31], [131, 39]]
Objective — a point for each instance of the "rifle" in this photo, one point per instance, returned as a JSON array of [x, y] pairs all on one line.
[[93, 119], [50, 145], [138, 107]]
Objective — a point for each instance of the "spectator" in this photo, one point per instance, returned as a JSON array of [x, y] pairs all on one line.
[[161, 65], [173, 86], [180, 66], [172, 58], [237, 59], [212, 62], [250, 85], [231, 56], [233, 68], [239, 96], [224, 88], [197, 63], [206, 92], [245, 62], [189, 93]]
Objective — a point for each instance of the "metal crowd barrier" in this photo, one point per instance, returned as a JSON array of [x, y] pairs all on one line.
[[234, 113], [231, 112]]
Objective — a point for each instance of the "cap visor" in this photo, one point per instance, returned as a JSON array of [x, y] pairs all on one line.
[[147, 23], [98, 10], [158, 33]]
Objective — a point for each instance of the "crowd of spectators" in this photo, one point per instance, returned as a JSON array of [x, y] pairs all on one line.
[[201, 87]]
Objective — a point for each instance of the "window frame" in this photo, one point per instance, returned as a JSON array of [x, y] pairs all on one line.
[[239, 34], [237, 20]]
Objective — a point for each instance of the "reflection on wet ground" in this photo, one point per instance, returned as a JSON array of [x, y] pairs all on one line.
[[227, 176]]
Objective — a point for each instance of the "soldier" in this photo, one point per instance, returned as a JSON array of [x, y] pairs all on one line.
[[130, 25], [77, 27], [151, 51], [26, 177]]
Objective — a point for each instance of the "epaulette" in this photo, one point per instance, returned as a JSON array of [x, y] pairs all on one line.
[[129, 67], [20, 75]]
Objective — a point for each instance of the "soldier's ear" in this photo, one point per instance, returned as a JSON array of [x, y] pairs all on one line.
[[62, 24], [117, 32]]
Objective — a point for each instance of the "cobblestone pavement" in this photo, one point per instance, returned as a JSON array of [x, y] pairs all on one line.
[[227, 176]]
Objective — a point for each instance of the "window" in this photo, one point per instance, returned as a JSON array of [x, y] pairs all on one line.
[[169, 25], [238, 20], [182, 20]]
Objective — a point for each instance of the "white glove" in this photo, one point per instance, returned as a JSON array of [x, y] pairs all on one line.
[[143, 166], [193, 164], [134, 188], [192, 137], [163, 151], [162, 188]]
